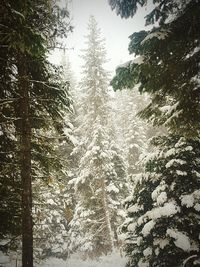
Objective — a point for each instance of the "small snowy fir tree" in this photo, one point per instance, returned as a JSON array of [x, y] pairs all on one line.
[[132, 130], [52, 214], [67, 73], [52, 199], [100, 173]]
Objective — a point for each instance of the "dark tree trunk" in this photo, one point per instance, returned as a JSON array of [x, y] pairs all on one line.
[[25, 160]]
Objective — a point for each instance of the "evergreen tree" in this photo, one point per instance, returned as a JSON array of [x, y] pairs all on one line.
[[169, 74], [32, 102], [52, 215], [55, 199], [67, 73], [162, 211], [67, 77], [133, 130], [98, 187]]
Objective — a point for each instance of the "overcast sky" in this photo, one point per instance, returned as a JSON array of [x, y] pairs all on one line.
[[114, 29]]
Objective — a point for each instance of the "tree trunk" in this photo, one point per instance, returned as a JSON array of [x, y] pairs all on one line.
[[107, 217], [25, 160]]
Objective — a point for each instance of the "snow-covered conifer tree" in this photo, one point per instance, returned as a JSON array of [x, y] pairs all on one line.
[[53, 197], [98, 189], [162, 226], [162, 223], [132, 129]]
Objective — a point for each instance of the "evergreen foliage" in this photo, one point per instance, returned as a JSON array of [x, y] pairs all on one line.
[[169, 74], [162, 222], [163, 211], [52, 215], [99, 185], [28, 30]]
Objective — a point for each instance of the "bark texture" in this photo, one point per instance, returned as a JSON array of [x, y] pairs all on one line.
[[25, 164]]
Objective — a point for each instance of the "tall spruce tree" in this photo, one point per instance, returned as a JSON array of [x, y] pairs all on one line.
[[165, 197], [32, 101], [99, 184]]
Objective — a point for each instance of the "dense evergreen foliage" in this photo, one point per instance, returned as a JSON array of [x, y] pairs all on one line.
[[162, 211], [169, 74], [33, 102], [71, 156]]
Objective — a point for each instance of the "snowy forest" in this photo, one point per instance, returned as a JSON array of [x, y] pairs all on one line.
[[100, 169]]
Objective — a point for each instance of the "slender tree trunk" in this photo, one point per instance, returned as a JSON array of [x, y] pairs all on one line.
[[107, 216], [25, 160]]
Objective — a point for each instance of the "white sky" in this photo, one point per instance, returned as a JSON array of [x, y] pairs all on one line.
[[114, 29]]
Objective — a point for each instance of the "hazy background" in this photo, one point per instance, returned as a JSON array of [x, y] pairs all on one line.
[[114, 29]]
